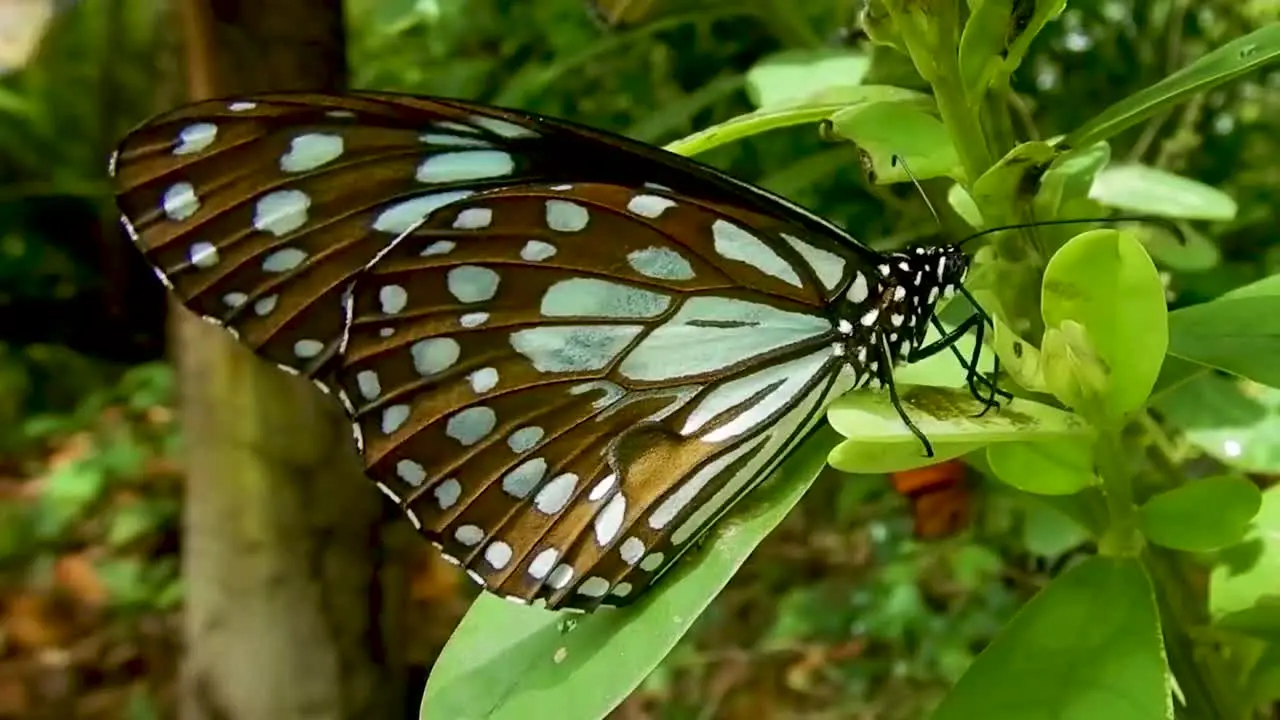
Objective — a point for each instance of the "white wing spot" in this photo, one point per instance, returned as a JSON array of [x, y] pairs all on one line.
[[498, 554], [180, 201], [310, 151], [555, 495], [194, 138], [650, 206], [594, 587], [560, 576], [543, 562], [263, 306], [828, 266], [465, 165], [404, 216], [565, 216], [393, 418], [573, 348], [447, 493], [235, 299], [434, 355], [283, 260], [483, 380], [652, 562], [469, 535], [603, 487], [525, 438], [470, 426], [439, 247], [474, 319], [661, 263], [869, 318], [281, 212], [608, 522], [411, 472], [473, 219], [622, 589], [631, 550], [858, 291], [537, 251], [896, 319], [734, 243], [308, 348], [524, 478], [392, 299], [369, 385], [241, 106], [472, 283], [203, 254], [592, 297], [899, 293], [453, 140], [504, 128]]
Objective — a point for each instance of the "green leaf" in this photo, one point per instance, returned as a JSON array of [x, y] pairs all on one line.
[[812, 111], [999, 189], [1049, 532], [1019, 358], [1088, 647], [1201, 515], [1193, 252], [1147, 190], [1061, 466], [983, 44], [514, 661], [1216, 414], [885, 129], [1223, 65], [1239, 332], [1069, 178], [996, 37], [794, 75], [1105, 281], [878, 440], [1243, 592]]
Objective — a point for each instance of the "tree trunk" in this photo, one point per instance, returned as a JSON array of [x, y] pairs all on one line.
[[294, 601]]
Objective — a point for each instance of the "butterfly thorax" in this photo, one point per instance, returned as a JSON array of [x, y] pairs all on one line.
[[885, 314]]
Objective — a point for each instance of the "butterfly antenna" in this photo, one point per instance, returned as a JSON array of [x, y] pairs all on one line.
[[899, 160], [1166, 223]]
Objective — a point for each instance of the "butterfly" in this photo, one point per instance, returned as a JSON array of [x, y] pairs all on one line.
[[565, 354]]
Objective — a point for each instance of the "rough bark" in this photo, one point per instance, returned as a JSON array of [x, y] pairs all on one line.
[[294, 599]]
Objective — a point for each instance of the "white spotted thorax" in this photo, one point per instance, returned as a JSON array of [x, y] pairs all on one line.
[[889, 307], [564, 367]]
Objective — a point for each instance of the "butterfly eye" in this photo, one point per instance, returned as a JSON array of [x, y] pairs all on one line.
[[562, 366]]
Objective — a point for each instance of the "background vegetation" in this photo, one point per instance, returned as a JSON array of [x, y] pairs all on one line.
[[843, 612]]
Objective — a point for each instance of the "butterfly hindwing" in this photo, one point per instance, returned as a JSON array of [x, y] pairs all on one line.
[[554, 405]]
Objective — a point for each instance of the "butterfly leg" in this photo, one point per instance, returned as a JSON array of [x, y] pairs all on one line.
[[886, 379], [973, 377]]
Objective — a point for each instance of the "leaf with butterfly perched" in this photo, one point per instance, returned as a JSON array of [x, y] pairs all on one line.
[[565, 354], [506, 661], [875, 443]]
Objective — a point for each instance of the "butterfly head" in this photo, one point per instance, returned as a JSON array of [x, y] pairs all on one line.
[[886, 312]]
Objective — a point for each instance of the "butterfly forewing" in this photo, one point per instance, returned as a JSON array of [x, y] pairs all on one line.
[[258, 212], [564, 385]]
